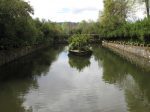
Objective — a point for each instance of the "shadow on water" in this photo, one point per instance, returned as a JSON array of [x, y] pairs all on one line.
[[18, 77], [128, 77]]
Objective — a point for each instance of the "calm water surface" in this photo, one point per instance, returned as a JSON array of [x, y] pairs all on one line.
[[51, 81]]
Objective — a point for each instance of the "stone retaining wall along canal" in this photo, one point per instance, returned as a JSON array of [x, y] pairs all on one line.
[[10, 55], [135, 54]]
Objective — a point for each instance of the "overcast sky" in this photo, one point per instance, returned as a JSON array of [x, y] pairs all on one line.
[[67, 10]]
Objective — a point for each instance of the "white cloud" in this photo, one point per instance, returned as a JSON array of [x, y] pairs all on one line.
[[72, 10], [67, 10]]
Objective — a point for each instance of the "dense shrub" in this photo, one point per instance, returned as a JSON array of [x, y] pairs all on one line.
[[139, 30], [17, 28], [78, 41]]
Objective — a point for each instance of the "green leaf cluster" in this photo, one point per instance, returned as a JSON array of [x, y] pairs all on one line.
[[79, 41]]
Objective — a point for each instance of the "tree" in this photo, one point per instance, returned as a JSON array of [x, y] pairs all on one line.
[[15, 21], [18, 28], [114, 15], [147, 4]]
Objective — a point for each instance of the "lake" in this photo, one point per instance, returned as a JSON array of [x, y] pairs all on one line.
[[50, 80]]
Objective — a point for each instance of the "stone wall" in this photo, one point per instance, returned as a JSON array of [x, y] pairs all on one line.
[[137, 50], [7, 56], [135, 54]]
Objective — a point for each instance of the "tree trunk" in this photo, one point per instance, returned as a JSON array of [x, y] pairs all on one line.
[[147, 8]]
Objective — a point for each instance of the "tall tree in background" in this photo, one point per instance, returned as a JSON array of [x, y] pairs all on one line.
[[114, 14]]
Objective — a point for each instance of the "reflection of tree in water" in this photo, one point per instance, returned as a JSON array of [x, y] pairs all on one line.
[[79, 62], [132, 80], [18, 77], [137, 98]]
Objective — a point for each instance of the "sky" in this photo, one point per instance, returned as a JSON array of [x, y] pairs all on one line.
[[66, 10], [71, 10]]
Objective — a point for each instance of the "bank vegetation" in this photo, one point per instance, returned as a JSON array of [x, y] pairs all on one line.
[[19, 29]]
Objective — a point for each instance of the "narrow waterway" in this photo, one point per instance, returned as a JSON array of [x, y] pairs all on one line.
[[51, 81]]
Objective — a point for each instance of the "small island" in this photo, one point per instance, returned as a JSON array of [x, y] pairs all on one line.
[[78, 45]]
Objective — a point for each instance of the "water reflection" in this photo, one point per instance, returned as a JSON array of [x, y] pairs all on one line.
[[126, 76], [18, 77], [79, 62], [46, 81]]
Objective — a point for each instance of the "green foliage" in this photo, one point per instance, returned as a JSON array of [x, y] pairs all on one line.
[[135, 31], [15, 23], [114, 25], [86, 27], [79, 41], [114, 14], [113, 17], [17, 28]]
